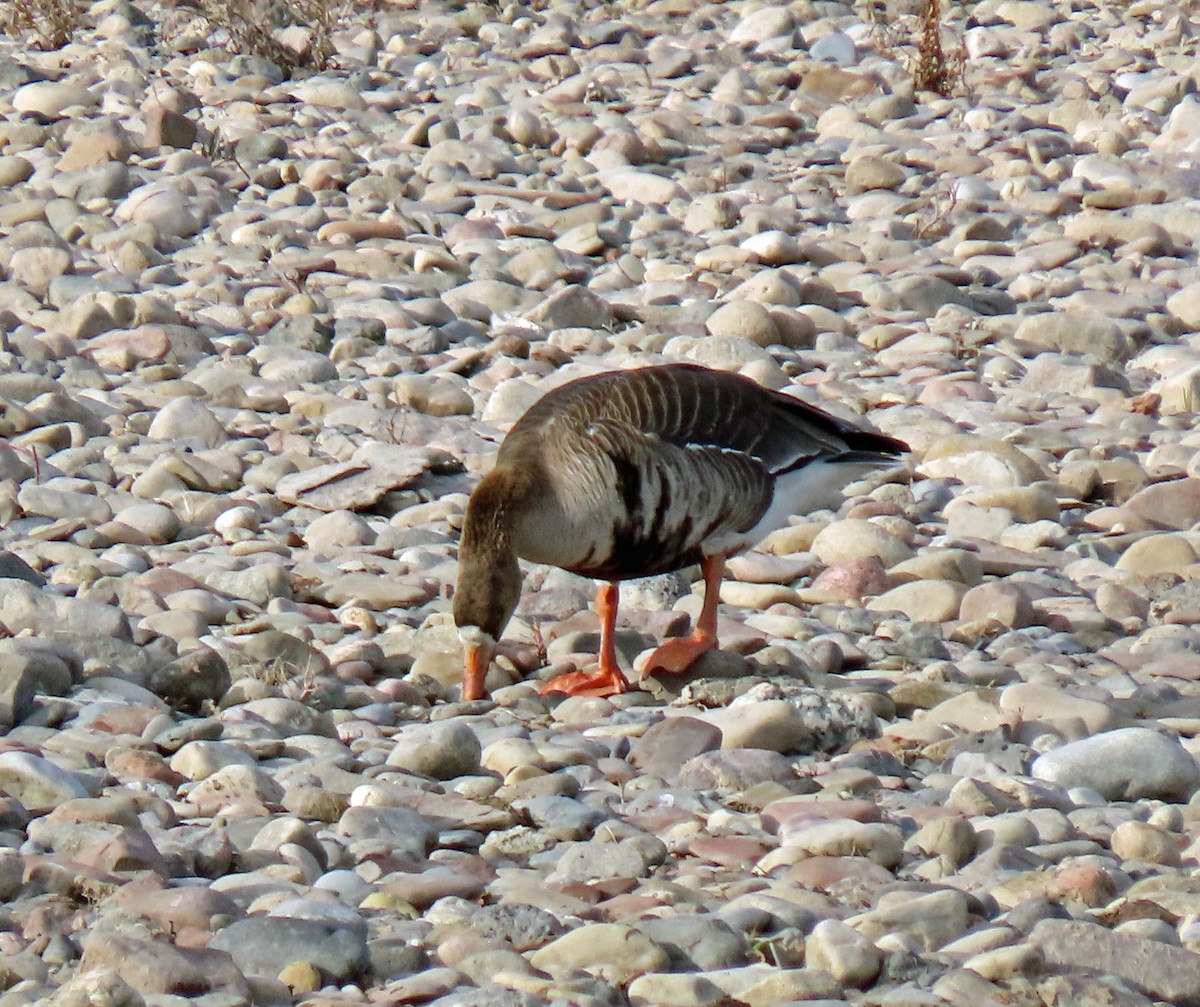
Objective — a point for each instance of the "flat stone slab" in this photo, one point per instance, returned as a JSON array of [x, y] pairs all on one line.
[[1160, 970]]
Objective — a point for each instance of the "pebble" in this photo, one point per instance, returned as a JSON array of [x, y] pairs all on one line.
[[1158, 970], [265, 946], [854, 538], [1007, 604], [230, 499], [156, 968], [843, 952], [1141, 841], [931, 920], [441, 751], [612, 952], [1125, 764], [36, 782], [589, 862], [50, 98]]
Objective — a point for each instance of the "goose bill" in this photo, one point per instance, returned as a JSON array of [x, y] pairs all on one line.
[[477, 658]]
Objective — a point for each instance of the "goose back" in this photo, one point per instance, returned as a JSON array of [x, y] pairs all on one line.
[[688, 405]]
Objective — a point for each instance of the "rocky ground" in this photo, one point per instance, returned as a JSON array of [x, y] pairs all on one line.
[[258, 336]]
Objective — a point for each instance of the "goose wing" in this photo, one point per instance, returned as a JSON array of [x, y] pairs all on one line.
[[690, 406], [700, 406]]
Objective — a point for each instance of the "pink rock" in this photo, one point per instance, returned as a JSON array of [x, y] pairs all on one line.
[[131, 850], [125, 719], [825, 873], [156, 967], [941, 389], [854, 579], [763, 568], [121, 348], [107, 142], [422, 890], [1180, 664], [1174, 505], [164, 581], [727, 851], [136, 764], [794, 812], [668, 744]]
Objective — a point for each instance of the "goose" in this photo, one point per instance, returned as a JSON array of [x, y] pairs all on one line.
[[632, 473]]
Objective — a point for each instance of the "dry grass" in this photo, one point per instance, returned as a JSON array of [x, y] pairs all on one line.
[[933, 70], [250, 27], [52, 23]]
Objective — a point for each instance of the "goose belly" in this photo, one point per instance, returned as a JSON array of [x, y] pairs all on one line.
[[642, 521], [582, 542]]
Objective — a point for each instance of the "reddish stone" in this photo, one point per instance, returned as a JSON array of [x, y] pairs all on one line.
[[1179, 664], [424, 889], [218, 806], [128, 346], [658, 820], [125, 719], [167, 128], [316, 613], [943, 389], [854, 579], [825, 873], [163, 581], [597, 891], [1170, 505], [431, 984], [627, 908], [400, 691], [359, 230], [790, 810], [48, 920], [1003, 602], [612, 887], [178, 909], [117, 810], [1084, 884], [875, 508], [132, 763], [923, 816], [108, 142], [728, 851], [671, 742], [155, 967], [131, 850]]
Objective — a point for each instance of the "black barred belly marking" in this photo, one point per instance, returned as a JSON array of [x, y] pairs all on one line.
[[650, 536]]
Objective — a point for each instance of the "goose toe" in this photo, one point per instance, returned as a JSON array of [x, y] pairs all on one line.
[[602, 682], [677, 655]]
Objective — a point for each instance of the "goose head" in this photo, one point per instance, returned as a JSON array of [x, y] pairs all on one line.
[[489, 580]]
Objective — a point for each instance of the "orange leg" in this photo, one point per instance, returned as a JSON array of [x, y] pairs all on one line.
[[608, 679], [681, 652]]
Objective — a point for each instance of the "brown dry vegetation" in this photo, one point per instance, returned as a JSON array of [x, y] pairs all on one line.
[[933, 70], [244, 26], [249, 26], [52, 23]]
